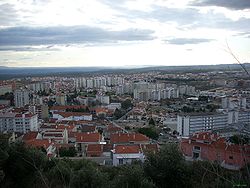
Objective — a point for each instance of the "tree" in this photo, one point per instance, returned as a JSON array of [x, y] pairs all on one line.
[[239, 139], [149, 132], [67, 152], [23, 167], [151, 121], [126, 104], [167, 168], [118, 113], [131, 176]]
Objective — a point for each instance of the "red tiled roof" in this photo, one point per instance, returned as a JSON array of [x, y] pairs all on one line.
[[112, 128], [101, 110], [88, 128], [124, 149], [205, 136], [128, 137], [94, 148], [30, 136], [214, 141], [88, 137], [45, 143]]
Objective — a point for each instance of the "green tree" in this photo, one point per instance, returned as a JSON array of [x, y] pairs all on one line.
[[151, 121], [149, 132], [67, 152], [118, 113], [167, 168], [131, 176], [126, 104]]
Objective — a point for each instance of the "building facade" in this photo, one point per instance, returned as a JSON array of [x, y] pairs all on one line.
[[22, 123]]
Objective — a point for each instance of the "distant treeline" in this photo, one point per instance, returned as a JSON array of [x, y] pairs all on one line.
[[16, 72]]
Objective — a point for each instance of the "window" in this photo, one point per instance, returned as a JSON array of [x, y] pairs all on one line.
[[197, 148], [196, 155], [120, 161]]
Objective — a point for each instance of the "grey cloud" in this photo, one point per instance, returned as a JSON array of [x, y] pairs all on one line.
[[187, 18], [69, 35], [8, 14], [25, 48], [231, 4], [191, 18], [183, 41]]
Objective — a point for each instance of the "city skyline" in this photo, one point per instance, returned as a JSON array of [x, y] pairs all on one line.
[[119, 33]]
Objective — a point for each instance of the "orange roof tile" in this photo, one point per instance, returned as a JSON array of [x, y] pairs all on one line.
[[45, 143], [94, 148], [124, 149], [30, 136], [88, 137], [128, 137]]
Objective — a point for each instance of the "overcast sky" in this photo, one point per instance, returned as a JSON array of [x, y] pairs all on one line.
[[52, 33]]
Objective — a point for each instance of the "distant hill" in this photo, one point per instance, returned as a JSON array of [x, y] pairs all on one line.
[[17, 72]]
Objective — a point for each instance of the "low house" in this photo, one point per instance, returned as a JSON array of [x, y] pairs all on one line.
[[58, 136], [33, 139], [101, 112], [85, 139], [126, 154], [87, 128], [212, 147], [111, 129], [72, 116], [94, 150], [129, 138]]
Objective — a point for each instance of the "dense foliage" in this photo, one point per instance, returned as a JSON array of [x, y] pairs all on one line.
[[27, 167], [149, 132]]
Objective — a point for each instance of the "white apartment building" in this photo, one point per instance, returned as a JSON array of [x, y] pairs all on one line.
[[103, 99], [233, 103], [22, 123], [90, 83], [191, 123], [21, 98], [80, 82]]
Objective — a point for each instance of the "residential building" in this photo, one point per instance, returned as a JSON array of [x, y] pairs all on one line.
[[21, 98], [128, 138], [126, 154], [188, 124], [213, 147], [15, 122], [84, 139]]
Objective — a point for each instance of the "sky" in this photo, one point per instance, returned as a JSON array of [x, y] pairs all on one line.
[[79, 33]]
